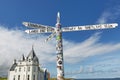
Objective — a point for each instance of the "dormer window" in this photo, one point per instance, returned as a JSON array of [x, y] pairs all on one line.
[[29, 60]]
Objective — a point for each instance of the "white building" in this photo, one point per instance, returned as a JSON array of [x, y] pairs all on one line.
[[27, 69]]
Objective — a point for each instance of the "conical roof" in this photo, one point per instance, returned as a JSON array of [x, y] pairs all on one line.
[[32, 56]]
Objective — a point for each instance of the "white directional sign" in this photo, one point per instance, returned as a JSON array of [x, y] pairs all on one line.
[[35, 31], [41, 28], [34, 25], [50, 36], [45, 29], [89, 27]]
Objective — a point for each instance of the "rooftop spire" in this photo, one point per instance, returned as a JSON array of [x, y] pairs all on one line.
[[14, 61], [32, 46], [23, 58], [32, 53]]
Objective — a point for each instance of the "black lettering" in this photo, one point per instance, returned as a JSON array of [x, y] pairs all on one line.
[[98, 26], [79, 28], [87, 27]]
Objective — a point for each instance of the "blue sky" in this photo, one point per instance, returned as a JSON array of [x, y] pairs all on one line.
[[93, 53]]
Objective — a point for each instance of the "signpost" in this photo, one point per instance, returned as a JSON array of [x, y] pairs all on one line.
[[57, 31]]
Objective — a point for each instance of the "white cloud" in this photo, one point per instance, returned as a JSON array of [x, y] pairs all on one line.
[[89, 47], [109, 68], [14, 43], [110, 14], [104, 17]]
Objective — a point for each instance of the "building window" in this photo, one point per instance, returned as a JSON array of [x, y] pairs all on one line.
[[19, 69], [18, 77], [14, 77], [28, 78], [28, 68], [34, 69], [33, 77]]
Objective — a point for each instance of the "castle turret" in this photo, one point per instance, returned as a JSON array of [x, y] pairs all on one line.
[[32, 56]]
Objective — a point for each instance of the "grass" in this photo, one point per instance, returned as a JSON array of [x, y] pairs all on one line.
[[50, 79], [64, 79], [3, 78]]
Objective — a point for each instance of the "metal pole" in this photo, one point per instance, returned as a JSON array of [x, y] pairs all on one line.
[[59, 51]]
